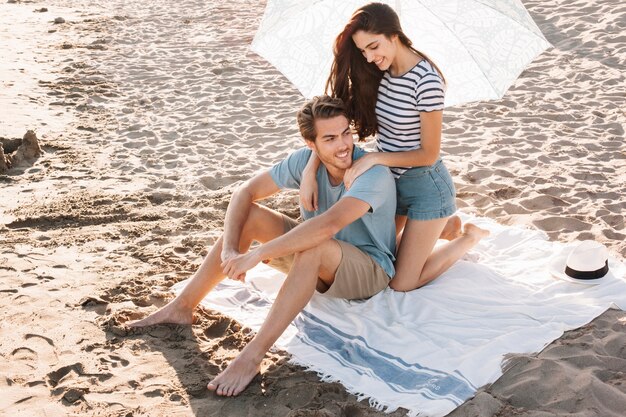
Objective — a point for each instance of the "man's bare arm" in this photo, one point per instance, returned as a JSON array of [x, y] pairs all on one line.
[[304, 236], [256, 188], [316, 230]]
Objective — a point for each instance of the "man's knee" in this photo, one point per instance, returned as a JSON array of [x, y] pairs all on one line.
[[256, 222], [254, 216], [325, 257], [311, 255]]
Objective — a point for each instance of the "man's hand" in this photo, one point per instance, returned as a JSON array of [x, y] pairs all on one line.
[[236, 267]]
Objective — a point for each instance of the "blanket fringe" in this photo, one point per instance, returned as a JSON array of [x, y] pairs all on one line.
[[374, 403]]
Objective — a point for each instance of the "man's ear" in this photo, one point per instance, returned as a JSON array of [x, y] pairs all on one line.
[[310, 144]]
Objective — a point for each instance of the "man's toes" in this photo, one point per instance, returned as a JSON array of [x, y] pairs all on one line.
[[140, 323], [136, 323], [149, 320], [211, 386]]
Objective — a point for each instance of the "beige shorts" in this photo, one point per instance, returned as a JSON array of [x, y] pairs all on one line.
[[358, 276]]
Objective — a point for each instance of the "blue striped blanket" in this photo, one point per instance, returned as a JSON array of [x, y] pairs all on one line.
[[429, 350]]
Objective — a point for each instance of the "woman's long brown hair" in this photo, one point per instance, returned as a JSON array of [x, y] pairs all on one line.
[[352, 78]]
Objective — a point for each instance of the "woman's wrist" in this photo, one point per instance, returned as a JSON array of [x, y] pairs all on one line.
[[374, 158], [309, 170]]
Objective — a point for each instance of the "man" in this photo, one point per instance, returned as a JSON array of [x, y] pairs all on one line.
[[343, 249]]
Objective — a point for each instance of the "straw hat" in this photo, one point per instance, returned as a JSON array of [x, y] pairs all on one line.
[[585, 263]]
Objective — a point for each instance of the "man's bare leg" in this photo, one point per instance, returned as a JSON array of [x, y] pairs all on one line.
[[263, 225], [309, 267]]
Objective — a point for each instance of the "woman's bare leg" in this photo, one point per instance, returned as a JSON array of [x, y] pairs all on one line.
[[418, 263], [450, 231]]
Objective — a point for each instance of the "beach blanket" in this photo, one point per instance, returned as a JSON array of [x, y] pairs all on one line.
[[429, 350]]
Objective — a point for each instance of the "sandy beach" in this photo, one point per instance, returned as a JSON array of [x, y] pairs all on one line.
[[149, 115]]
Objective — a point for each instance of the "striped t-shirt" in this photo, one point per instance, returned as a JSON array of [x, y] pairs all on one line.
[[400, 100]]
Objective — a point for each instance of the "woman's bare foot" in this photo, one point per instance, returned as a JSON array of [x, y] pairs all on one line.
[[475, 232], [171, 313], [452, 229], [236, 377]]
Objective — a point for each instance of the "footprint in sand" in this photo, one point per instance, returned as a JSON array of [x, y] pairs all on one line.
[[543, 202], [75, 370], [22, 299], [157, 390], [73, 395], [35, 352], [506, 193], [45, 278], [614, 235], [44, 346], [95, 304], [300, 395], [24, 354], [551, 224], [615, 221], [218, 328]]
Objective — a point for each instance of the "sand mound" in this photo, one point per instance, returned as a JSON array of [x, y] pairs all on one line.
[[16, 152]]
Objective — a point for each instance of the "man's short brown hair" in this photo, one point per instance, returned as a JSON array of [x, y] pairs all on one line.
[[319, 107]]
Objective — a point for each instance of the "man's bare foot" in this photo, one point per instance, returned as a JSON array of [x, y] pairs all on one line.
[[170, 313], [452, 229], [236, 377], [475, 232]]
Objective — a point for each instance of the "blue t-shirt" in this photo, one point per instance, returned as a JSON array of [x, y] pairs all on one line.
[[373, 233]]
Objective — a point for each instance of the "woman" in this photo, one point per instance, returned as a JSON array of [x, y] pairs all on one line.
[[395, 92]]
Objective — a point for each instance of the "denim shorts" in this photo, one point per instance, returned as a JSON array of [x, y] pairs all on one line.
[[426, 193]]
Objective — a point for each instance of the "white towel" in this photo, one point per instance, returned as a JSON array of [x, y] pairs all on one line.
[[429, 350]]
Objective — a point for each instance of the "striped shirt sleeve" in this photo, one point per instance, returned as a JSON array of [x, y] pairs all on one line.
[[429, 92]]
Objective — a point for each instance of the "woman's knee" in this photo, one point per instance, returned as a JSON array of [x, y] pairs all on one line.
[[405, 282], [400, 286]]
